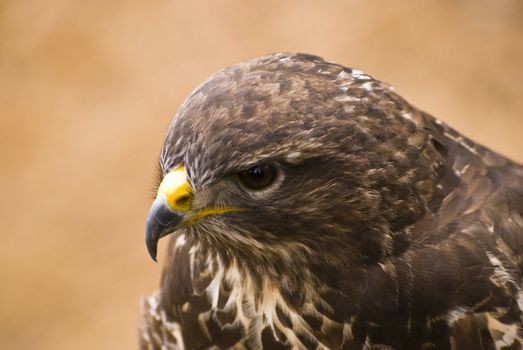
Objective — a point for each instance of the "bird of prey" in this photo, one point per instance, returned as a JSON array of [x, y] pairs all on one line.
[[312, 207]]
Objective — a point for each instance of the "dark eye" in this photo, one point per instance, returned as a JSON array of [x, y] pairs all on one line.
[[257, 177]]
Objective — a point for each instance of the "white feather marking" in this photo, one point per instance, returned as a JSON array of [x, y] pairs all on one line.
[[151, 307], [360, 75], [180, 241], [344, 75], [348, 98], [294, 157], [256, 309], [347, 330], [406, 116], [459, 140], [213, 290], [455, 315], [202, 320], [367, 86], [501, 277], [192, 254], [463, 170], [509, 332]]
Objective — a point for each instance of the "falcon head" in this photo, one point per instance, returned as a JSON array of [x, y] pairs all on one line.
[[290, 159]]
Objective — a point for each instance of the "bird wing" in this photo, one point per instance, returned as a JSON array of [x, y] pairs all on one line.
[[459, 283]]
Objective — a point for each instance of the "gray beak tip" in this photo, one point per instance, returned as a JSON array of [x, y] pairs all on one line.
[[160, 222], [152, 248]]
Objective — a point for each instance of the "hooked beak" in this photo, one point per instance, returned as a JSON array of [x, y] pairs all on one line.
[[160, 222], [170, 209]]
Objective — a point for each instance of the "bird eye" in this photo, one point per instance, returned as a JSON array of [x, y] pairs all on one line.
[[257, 177]]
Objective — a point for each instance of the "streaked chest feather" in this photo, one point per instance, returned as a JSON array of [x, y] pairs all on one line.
[[234, 310], [258, 308], [229, 308]]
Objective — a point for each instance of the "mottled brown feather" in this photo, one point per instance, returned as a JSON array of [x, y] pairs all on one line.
[[388, 229]]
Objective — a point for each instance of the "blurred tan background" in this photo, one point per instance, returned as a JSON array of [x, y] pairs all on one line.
[[87, 89]]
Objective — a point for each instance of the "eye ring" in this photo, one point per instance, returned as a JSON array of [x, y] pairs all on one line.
[[257, 177]]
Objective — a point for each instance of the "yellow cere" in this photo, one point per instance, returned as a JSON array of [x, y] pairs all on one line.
[[177, 190], [178, 194]]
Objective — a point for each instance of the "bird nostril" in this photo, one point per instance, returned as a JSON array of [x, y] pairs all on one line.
[[183, 201]]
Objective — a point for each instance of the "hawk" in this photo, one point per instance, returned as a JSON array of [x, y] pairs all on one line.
[[312, 207]]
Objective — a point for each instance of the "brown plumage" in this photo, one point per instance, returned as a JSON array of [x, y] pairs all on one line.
[[383, 227]]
